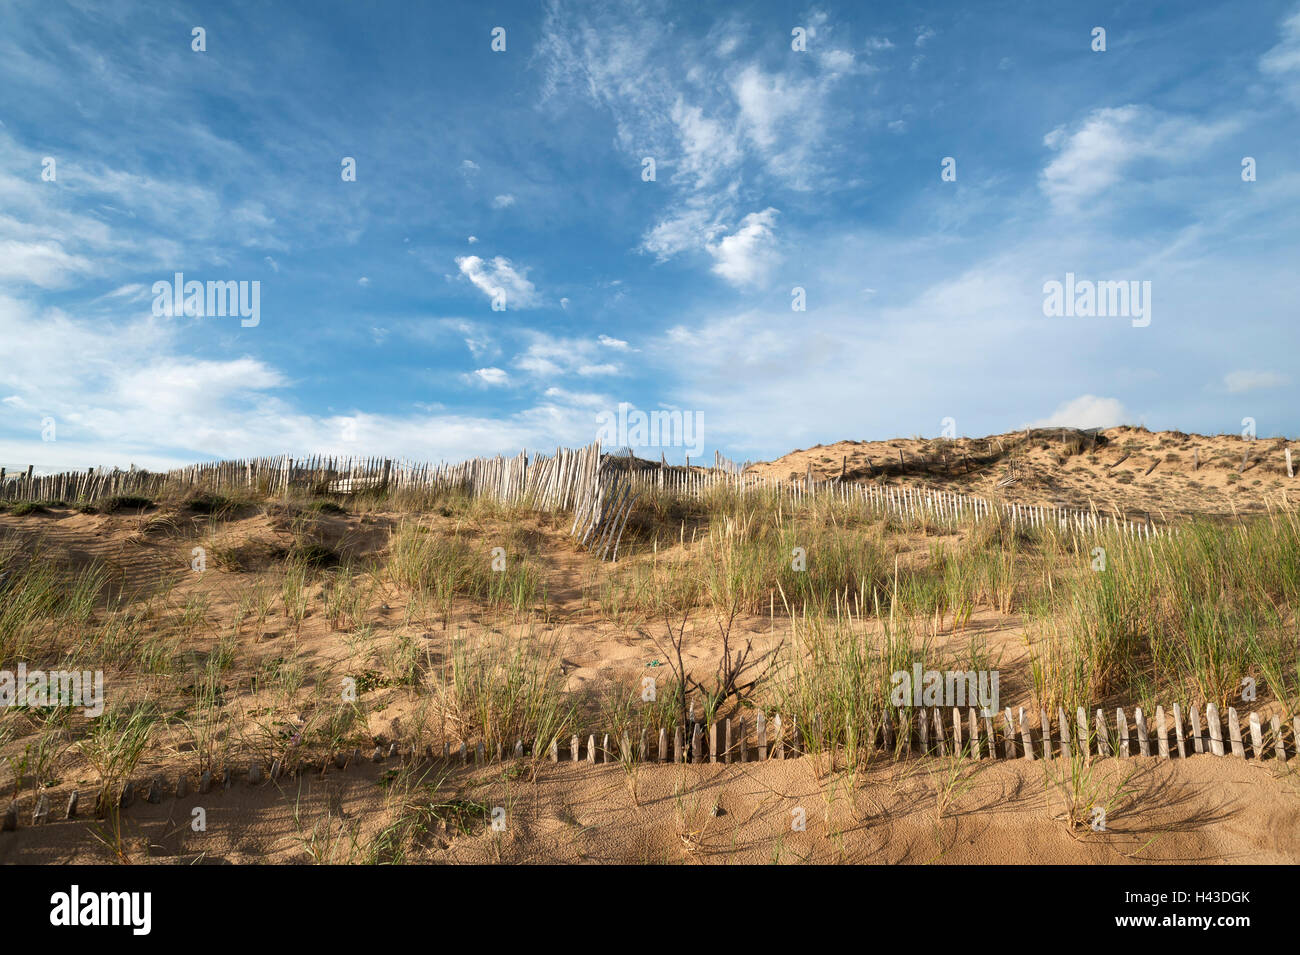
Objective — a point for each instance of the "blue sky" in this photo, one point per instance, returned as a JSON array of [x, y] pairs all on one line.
[[522, 171]]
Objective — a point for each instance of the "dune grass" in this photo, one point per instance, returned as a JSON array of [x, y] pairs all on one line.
[[856, 594], [499, 691], [442, 567], [1189, 616], [39, 597]]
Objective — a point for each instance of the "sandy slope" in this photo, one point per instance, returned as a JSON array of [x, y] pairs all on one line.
[[1055, 467], [1205, 810]]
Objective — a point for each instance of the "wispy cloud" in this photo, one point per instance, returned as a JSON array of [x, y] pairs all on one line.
[[1282, 62], [1240, 382], [1086, 411], [500, 277], [1097, 153]]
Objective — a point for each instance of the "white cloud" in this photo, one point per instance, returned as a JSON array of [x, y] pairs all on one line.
[[745, 257], [1086, 411], [836, 61], [364, 281], [1096, 154], [472, 239], [101, 383], [503, 201], [712, 120], [491, 376], [98, 220], [1239, 382], [690, 229], [1282, 62], [924, 35], [479, 348], [612, 342], [783, 117], [500, 275], [44, 264], [581, 399], [708, 146], [550, 357], [134, 292]]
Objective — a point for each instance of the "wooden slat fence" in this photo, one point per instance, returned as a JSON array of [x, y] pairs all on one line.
[[599, 488], [899, 735]]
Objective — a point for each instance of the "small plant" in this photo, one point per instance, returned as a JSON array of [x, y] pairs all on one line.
[[293, 591], [1089, 801], [114, 745]]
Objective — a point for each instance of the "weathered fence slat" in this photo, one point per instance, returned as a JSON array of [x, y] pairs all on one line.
[[1025, 738], [1216, 729], [1103, 735], [1178, 731], [1234, 734]]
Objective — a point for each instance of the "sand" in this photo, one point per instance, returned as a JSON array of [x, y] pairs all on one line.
[[1202, 809]]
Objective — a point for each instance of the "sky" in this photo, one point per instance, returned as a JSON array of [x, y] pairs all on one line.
[[476, 228]]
